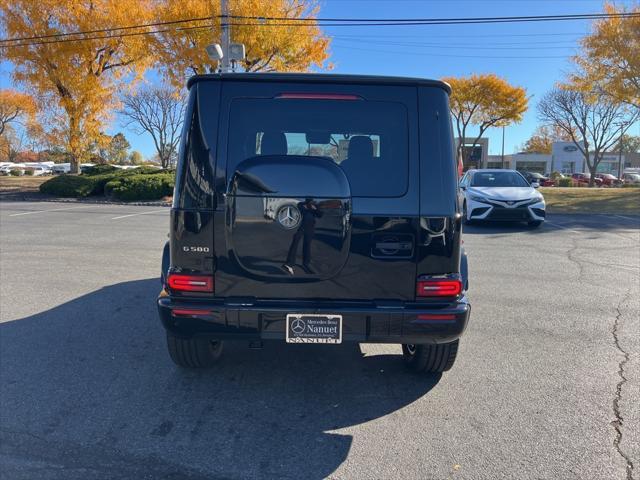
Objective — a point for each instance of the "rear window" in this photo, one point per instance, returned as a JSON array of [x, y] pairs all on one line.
[[367, 139]]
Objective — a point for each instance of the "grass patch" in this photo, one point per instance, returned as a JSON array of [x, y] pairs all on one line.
[[21, 184], [592, 200]]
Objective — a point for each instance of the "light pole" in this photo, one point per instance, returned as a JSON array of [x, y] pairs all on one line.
[[228, 54], [226, 36], [621, 125], [502, 157]]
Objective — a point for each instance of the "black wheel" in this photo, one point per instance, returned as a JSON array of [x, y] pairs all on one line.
[[430, 358], [535, 224], [193, 352]]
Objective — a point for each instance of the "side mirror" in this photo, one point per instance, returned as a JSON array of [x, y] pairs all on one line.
[[535, 184]]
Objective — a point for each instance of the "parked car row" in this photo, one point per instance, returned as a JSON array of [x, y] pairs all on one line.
[[609, 180], [46, 168], [28, 168], [582, 179], [631, 178], [60, 168], [541, 180]]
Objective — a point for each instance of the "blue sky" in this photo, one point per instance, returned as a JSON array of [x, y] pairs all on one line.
[[532, 55]]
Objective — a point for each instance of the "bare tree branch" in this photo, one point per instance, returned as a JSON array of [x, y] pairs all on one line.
[[159, 112], [591, 123]]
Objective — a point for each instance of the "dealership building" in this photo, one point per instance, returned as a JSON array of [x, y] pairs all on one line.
[[565, 157]]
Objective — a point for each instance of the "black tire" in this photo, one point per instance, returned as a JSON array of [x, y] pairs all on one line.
[[535, 224], [436, 358], [193, 352]]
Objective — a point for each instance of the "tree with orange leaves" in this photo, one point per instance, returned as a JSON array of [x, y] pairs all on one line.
[[73, 77], [543, 138], [271, 45], [76, 77], [610, 57], [15, 107], [485, 101]]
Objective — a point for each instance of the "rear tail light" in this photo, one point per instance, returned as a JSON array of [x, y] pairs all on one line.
[[190, 283], [438, 287], [438, 317], [189, 312]]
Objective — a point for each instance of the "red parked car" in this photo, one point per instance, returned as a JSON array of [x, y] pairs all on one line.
[[609, 180], [542, 180], [582, 180]]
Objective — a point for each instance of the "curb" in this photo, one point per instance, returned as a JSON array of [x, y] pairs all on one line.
[[25, 197]]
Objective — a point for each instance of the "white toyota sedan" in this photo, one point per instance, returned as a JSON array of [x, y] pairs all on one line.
[[500, 195]]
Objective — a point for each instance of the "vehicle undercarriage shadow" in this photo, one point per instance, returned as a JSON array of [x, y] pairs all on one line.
[[483, 228], [555, 222], [88, 391]]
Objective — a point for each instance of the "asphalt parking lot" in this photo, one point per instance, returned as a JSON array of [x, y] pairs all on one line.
[[547, 383]]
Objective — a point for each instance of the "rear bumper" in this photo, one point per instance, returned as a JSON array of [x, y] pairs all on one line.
[[417, 323]]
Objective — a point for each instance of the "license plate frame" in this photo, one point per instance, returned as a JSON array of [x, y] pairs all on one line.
[[313, 328]]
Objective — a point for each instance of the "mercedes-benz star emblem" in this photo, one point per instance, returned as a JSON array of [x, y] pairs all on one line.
[[298, 326], [288, 216]]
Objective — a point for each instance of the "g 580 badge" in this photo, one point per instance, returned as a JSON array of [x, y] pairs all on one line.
[[195, 249]]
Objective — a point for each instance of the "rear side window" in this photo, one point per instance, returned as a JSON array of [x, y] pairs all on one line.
[[369, 140], [194, 188]]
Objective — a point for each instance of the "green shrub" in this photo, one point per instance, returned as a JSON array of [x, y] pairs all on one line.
[[132, 184], [110, 169], [146, 170], [100, 170], [565, 182], [555, 176], [28, 171], [68, 186], [140, 187], [15, 172], [100, 180]]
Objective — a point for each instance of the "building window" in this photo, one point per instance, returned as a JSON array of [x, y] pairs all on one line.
[[473, 157]]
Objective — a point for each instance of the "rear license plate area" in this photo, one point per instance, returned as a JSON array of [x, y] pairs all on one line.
[[313, 328]]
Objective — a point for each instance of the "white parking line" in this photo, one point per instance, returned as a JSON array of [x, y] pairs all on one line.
[[547, 222], [625, 217], [49, 210], [136, 214]]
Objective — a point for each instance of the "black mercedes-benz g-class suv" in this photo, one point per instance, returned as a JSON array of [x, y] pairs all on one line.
[[314, 208]]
